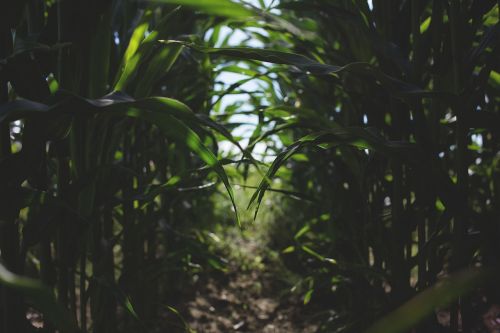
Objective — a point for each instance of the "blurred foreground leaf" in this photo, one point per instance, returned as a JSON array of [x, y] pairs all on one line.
[[41, 297], [422, 305]]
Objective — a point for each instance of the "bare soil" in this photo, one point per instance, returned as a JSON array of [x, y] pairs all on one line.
[[252, 295], [246, 302]]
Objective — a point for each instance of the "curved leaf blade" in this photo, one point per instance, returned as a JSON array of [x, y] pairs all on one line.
[[173, 117], [214, 7], [416, 309], [395, 86], [361, 138], [42, 297]]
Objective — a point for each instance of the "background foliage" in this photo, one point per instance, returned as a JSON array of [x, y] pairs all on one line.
[[374, 124]]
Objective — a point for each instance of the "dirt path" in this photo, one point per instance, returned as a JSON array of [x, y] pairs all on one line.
[[253, 295], [244, 302]]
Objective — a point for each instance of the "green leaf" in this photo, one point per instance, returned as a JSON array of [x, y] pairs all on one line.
[[419, 307], [495, 77], [313, 253], [184, 322], [172, 117], [155, 110], [215, 7], [159, 65], [307, 296], [128, 64], [272, 56], [140, 48], [363, 138], [121, 297], [136, 39], [425, 25], [309, 66], [42, 297], [305, 229]]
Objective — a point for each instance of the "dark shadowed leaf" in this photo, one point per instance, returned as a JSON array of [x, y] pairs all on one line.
[[309, 66], [42, 297], [215, 7], [426, 302]]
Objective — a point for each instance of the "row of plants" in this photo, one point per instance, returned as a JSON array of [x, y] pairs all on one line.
[[397, 146], [104, 187], [383, 121]]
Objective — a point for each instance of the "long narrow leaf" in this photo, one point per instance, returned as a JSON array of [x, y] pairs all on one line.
[[442, 294], [42, 297], [174, 118], [215, 7], [309, 66]]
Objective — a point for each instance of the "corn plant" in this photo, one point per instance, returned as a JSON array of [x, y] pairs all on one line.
[[98, 176], [388, 112]]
